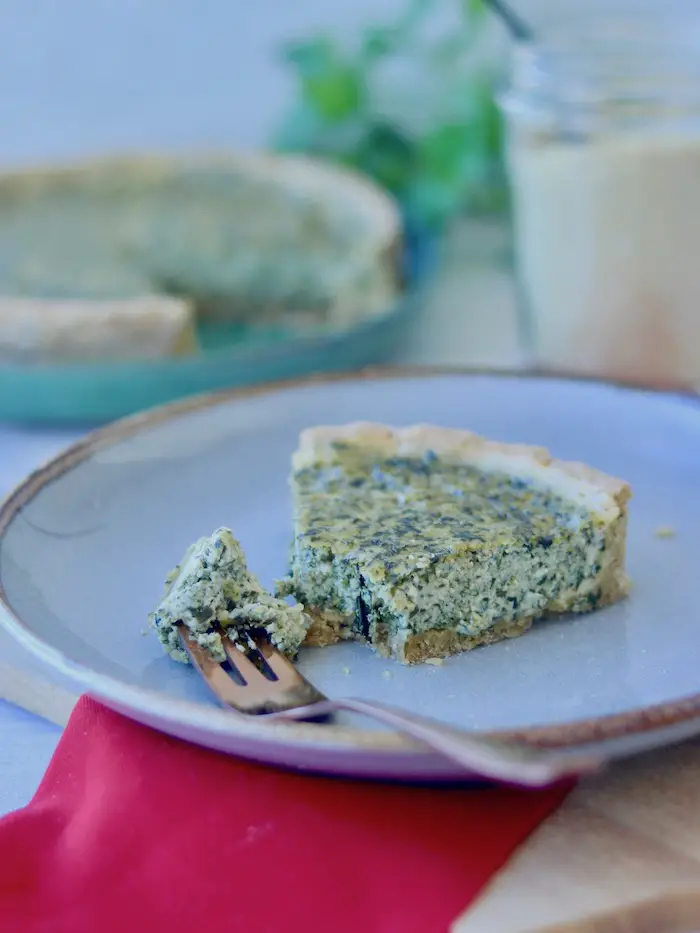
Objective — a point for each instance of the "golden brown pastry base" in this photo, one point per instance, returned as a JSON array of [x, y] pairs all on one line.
[[441, 643], [330, 626]]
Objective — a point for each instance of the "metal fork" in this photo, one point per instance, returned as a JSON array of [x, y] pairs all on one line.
[[258, 680]]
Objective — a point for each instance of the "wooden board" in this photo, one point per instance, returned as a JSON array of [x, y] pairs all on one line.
[[33, 693], [25, 683], [622, 855]]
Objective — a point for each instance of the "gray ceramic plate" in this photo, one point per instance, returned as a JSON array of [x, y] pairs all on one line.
[[86, 541]]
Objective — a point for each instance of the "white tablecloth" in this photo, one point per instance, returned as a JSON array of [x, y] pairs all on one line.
[[26, 741], [26, 745]]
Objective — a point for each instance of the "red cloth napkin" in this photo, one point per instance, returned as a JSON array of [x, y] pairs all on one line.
[[131, 830]]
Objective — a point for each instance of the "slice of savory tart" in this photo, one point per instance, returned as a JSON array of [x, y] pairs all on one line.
[[427, 541]]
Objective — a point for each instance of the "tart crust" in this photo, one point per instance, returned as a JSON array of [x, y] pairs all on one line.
[[147, 327], [569, 478]]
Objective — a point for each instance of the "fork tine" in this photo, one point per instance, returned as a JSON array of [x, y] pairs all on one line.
[[224, 687], [240, 660], [280, 665], [258, 695], [290, 682]]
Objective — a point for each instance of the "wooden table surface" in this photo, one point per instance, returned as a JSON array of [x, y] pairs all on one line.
[[622, 855]]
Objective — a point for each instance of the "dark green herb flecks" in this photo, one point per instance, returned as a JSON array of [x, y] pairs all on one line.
[[425, 507], [408, 544]]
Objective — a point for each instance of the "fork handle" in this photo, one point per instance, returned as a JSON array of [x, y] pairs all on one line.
[[506, 761]]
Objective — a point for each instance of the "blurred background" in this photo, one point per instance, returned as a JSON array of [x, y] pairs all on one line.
[[92, 75], [469, 131]]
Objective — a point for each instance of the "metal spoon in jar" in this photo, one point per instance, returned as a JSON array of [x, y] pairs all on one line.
[[518, 28]]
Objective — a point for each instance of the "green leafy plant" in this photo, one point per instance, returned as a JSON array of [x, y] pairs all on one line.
[[434, 140]]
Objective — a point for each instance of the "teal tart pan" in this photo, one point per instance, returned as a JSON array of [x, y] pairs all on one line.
[[86, 394]]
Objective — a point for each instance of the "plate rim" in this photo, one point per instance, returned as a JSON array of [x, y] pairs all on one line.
[[638, 721]]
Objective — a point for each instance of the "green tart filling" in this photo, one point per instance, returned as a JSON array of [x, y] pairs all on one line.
[[423, 555], [215, 595]]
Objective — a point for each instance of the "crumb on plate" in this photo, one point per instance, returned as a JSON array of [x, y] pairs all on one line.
[[665, 531]]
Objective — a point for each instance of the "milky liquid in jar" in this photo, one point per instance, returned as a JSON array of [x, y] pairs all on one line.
[[604, 164]]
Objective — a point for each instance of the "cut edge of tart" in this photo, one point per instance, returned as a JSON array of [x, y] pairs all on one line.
[[477, 589]]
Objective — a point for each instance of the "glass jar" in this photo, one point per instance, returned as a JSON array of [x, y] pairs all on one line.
[[603, 155]]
